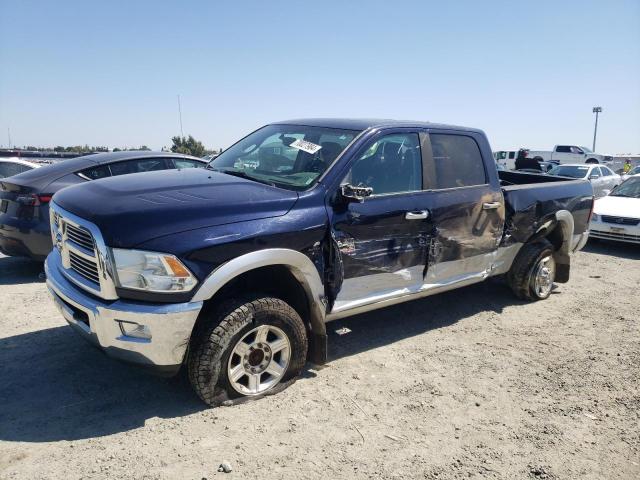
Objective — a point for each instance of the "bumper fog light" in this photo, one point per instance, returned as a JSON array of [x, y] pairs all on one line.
[[135, 330]]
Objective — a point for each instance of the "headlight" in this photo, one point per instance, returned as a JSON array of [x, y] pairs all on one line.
[[151, 271], [595, 217]]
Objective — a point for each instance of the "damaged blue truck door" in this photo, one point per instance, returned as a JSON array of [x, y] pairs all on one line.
[[383, 241], [467, 207]]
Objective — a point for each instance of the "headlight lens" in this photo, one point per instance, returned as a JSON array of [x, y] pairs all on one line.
[[151, 271], [595, 217]]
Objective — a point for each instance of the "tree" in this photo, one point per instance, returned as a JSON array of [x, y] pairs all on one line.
[[187, 145]]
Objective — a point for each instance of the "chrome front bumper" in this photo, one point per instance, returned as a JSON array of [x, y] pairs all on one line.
[[169, 325]]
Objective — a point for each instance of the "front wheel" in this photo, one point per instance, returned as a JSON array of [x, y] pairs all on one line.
[[592, 160], [251, 347], [533, 271]]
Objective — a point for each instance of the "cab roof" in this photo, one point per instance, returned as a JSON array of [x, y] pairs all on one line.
[[369, 123]]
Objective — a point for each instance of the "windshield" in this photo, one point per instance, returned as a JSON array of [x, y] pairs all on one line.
[[629, 188], [573, 171], [289, 156]]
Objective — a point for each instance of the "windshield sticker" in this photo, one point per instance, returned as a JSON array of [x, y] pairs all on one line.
[[306, 146]]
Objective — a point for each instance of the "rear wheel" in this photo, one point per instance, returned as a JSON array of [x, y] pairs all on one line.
[[533, 271], [252, 346]]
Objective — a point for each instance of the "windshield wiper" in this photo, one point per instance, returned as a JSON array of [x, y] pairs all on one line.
[[241, 174]]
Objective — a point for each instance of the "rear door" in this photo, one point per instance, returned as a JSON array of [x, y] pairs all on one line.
[[467, 207], [562, 154]]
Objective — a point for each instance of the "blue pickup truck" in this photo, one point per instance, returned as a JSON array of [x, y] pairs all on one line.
[[233, 271]]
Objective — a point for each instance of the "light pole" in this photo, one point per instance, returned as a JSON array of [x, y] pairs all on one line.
[[596, 110]]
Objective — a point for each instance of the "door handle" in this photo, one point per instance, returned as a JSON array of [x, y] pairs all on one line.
[[418, 215], [491, 205]]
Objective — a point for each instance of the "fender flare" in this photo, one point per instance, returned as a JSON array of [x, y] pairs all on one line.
[[563, 261], [301, 267]]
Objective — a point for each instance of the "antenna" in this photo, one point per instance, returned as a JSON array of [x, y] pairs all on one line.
[[180, 116]]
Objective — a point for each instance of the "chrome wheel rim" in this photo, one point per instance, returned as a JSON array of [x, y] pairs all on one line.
[[543, 276], [259, 360]]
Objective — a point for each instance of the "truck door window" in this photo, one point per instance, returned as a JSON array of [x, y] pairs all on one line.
[[563, 149], [392, 164], [512, 155], [457, 161]]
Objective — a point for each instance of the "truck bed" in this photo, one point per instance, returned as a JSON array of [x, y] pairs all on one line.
[[531, 200]]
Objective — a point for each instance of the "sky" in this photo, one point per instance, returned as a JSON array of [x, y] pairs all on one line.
[[108, 73]]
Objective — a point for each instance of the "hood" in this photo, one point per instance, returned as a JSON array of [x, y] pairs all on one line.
[[132, 209], [618, 207]]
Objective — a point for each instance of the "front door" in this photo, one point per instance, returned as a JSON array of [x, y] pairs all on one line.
[[382, 242]]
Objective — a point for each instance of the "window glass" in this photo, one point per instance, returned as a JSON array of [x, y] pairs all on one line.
[[290, 156], [8, 169], [392, 164], [563, 149], [186, 163], [595, 172], [576, 150], [95, 173], [138, 166], [606, 172], [457, 161], [573, 171], [512, 155]]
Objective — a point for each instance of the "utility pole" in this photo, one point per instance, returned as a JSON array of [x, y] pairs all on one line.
[[9, 135], [596, 110], [180, 116]]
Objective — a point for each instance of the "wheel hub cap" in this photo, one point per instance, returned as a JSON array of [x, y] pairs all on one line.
[[259, 360], [544, 276]]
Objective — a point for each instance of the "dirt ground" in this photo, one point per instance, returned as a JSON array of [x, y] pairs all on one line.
[[471, 383]]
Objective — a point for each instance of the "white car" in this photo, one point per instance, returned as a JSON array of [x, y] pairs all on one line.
[[633, 172], [617, 216], [602, 178], [13, 165]]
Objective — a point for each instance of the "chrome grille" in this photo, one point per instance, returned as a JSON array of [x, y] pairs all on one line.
[[620, 220], [84, 267], [79, 236], [84, 257]]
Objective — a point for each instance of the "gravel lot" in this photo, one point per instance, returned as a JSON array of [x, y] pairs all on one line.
[[471, 383]]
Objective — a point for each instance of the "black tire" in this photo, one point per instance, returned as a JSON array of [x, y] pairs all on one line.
[[592, 160], [213, 343], [521, 275]]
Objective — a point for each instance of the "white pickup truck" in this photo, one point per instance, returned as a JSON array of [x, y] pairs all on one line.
[[570, 154]]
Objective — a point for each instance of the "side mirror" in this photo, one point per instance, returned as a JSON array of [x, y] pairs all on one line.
[[352, 193], [594, 177]]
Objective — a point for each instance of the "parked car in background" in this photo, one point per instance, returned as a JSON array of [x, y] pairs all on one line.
[[617, 216], [602, 178], [24, 198], [14, 165], [634, 171], [235, 270], [569, 154]]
